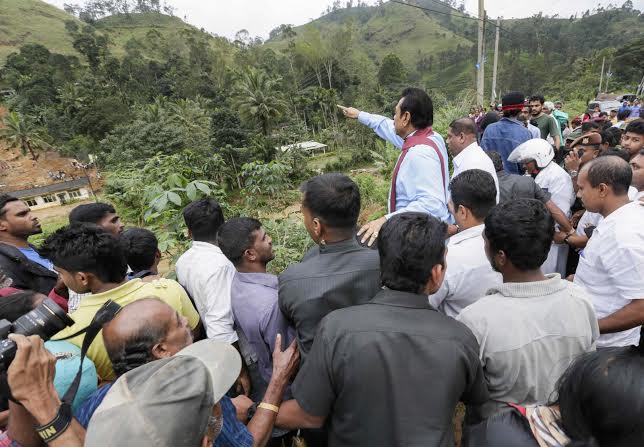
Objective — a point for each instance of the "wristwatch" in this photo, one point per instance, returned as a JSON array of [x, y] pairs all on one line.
[[58, 425], [573, 174]]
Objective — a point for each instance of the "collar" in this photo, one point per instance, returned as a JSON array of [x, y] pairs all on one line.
[[459, 158], [200, 245], [464, 235], [261, 279], [552, 284], [411, 134], [124, 289], [338, 247], [502, 173], [639, 195], [615, 215], [512, 120], [397, 298]]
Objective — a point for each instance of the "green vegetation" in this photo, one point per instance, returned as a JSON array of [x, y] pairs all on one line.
[[171, 113]]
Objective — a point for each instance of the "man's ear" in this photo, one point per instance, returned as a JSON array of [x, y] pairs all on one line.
[[4, 225], [83, 278], [318, 228], [250, 254], [435, 279], [159, 351]]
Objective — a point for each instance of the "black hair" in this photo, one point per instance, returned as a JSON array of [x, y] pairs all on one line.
[[410, 245], [86, 248], [419, 105], [588, 126], [17, 304], [90, 213], [332, 198], [623, 114], [466, 126], [539, 98], [601, 398], [497, 161], [523, 229], [475, 190], [4, 199], [612, 136], [489, 118], [613, 151], [136, 350], [236, 236], [140, 247], [203, 218], [636, 126], [612, 171]]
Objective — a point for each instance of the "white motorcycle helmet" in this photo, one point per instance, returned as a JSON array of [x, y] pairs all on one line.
[[536, 149]]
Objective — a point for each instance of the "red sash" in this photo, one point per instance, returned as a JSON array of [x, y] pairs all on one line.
[[420, 137]]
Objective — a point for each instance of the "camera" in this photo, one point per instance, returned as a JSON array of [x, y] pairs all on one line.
[[46, 320]]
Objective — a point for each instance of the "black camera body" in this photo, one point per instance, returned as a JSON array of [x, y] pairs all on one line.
[[46, 320]]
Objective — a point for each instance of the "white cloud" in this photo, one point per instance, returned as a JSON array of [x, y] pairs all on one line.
[[259, 17]]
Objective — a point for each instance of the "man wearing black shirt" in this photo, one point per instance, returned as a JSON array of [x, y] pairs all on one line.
[[390, 372]]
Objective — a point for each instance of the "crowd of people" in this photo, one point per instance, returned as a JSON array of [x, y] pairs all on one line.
[[507, 274]]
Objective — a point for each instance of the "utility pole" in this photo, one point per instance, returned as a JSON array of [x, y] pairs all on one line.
[[601, 77], [496, 59], [609, 74], [480, 79]]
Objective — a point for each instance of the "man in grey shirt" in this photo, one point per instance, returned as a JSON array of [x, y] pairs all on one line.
[[532, 326], [253, 297], [513, 186], [338, 272], [389, 372]]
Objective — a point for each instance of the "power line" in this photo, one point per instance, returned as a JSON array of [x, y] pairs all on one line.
[[451, 15]]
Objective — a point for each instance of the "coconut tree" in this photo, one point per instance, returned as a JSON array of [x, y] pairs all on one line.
[[19, 131], [258, 98]]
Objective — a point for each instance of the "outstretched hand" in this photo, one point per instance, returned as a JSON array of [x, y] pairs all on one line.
[[349, 112]]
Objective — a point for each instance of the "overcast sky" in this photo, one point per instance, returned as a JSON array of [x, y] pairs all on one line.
[[259, 17]]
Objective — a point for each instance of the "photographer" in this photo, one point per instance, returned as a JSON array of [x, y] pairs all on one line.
[[31, 379]]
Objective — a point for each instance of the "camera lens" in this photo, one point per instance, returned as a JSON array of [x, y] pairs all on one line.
[[46, 320]]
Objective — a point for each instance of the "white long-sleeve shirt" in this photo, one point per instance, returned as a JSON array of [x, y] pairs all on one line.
[[207, 275]]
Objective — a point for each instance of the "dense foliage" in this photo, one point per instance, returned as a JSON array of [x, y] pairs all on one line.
[[171, 113]]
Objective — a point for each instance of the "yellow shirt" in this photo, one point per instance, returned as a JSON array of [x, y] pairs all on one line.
[[166, 290]]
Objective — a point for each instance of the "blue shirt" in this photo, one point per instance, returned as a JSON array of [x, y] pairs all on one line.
[[233, 432], [257, 314], [34, 256], [503, 137], [419, 185]]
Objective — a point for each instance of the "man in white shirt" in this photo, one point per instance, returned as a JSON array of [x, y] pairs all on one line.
[[205, 272], [637, 165], [463, 146], [537, 158], [469, 274], [611, 268]]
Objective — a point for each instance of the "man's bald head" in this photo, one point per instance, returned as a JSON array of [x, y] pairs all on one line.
[[461, 133], [137, 334]]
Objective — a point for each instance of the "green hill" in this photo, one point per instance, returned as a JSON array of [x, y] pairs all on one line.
[[439, 48], [33, 21]]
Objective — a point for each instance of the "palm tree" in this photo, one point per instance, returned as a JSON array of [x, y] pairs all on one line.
[[18, 131], [258, 98]]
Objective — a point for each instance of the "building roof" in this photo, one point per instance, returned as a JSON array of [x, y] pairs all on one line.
[[56, 187], [304, 146]]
